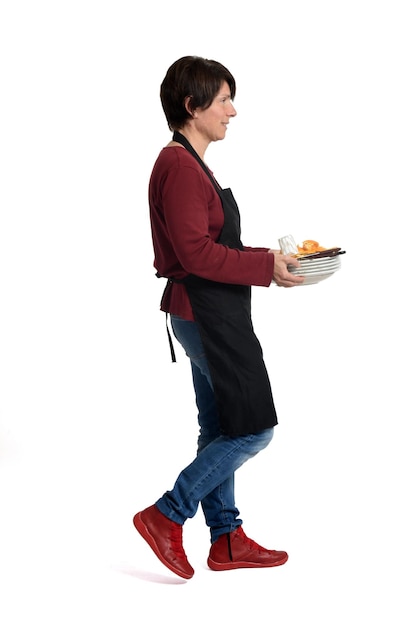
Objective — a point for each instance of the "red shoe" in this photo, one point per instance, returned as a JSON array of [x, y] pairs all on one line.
[[234, 550], [165, 539]]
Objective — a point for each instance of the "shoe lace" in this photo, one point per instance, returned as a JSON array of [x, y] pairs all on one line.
[[176, 540], [252, 545]]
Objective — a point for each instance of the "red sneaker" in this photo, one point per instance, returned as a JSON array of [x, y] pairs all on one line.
[[165, 539], [235, 550]]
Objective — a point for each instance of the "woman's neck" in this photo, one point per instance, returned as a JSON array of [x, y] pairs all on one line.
[[199, 143]]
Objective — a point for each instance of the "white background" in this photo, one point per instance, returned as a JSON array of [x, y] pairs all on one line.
[[96, 421]]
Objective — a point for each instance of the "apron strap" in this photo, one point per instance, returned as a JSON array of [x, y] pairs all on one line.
[[171, 345], [179, 138]]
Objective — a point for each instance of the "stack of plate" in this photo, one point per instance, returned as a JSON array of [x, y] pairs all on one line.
[[316, 269]]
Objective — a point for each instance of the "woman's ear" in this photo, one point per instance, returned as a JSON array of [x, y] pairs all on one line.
[[187, 105]]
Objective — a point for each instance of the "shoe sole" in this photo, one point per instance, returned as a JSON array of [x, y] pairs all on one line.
[[221, 567], [143, 531]]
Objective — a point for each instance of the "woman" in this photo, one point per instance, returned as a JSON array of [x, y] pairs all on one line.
[[196, 239]]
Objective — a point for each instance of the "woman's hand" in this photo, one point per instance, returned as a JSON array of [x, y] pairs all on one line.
[[281, 276]]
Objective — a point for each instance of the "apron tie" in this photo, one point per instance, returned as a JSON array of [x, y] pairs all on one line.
[[171, 345]]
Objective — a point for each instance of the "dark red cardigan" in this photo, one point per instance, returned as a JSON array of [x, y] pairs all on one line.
[[186, 219]]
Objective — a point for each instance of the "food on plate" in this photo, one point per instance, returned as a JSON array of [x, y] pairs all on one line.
[[309, 246]]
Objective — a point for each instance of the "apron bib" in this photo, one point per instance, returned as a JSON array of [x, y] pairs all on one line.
[[223, 314]]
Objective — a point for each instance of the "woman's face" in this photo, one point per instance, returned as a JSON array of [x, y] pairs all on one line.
[[212, 122]]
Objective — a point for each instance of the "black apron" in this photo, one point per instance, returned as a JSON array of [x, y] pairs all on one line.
[[223, 314]]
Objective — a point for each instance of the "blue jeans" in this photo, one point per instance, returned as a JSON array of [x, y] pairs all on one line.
[[209, 479]]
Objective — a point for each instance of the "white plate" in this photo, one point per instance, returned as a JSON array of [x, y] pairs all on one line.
[[319, 262], [304, 267], [317, 278], [325, 268], [313, 272]]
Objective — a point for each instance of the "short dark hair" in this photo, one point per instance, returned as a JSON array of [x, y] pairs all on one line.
[[194, 77]]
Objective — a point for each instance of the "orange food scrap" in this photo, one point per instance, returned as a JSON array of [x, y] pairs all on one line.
[[309, 246]]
